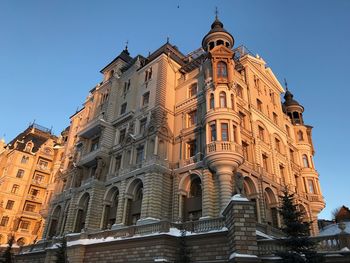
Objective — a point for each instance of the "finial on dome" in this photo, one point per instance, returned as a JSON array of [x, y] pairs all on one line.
[[285, 84], [126, 45], [216, 12]]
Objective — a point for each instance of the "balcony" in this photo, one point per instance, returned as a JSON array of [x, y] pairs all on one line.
[[89, 159], [225, 153], [93, 127], [34, 198]]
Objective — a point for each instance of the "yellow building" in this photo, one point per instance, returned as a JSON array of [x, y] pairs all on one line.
[[27, 168]]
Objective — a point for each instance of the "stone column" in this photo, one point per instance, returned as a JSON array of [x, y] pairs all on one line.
[[241, 225], [208, 191], [224, 174]]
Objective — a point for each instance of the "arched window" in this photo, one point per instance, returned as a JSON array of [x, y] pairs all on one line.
[[193, 201], [222, 70], [211, 101], [81, 213], [300, 136], [196, 188], [21, 242], [305, 161], [222, 97], [135, 203], [232, 102]]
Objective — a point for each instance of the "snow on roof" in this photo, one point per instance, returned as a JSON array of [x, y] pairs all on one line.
[[333, 229]]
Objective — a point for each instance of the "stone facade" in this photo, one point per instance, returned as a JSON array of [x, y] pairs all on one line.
[[162, 137], [29, 165]]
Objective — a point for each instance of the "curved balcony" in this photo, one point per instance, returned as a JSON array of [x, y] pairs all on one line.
[[225, 153], [222, 113]]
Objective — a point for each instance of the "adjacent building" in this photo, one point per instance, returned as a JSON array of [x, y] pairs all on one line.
[[162, 138], [28, 165]]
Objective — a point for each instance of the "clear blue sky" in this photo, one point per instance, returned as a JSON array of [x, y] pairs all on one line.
[[51, 53]]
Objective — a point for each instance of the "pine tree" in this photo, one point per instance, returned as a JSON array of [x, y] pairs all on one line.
[[7, 256], [300, 248], [61, 253]]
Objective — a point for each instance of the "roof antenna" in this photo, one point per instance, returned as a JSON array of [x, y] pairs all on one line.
[[216, 12], [126, 45], [286, 84]]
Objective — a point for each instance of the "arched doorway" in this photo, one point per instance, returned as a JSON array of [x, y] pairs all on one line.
[[81, 212], [252, 194], [192, 205], [110, 208], [21, 242], [54, 231], [134, 202]]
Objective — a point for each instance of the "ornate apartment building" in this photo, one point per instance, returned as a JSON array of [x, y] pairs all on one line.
[[27, 168], [162, 138]]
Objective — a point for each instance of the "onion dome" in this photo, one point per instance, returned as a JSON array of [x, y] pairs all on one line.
[[217, 36]]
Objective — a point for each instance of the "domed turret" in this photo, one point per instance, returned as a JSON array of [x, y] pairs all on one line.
[[292, 108], [217, 36]]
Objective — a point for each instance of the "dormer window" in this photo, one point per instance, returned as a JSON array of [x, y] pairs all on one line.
[[222, 70]]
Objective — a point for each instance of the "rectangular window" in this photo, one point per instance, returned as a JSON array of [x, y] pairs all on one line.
[[10, 204], [15, 189], [34, 192], [24, 159], [4, 221], [20, 173], [24, 224], [239, 91], [245, 150], [148, 74], [94, 144], [191, 149], [192, 118], [123, 108], [145, 99], [118, 161], [193, 90], [261, 133], [43, 164], [311, 186], [259, 104], [224, 131], [282, 171], [265, 162], [213, 132], [139, 154], [243, 119], [277, 145], [291, 153], [122, 135], [234, 133], [275, 118], [143, 125], [39, 178], [288, 130], [29, 208]]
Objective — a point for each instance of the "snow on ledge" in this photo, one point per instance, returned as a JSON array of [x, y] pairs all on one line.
[[238, 255], [160, 260], [239, 197]]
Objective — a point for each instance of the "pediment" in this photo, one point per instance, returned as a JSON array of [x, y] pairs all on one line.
[[221, 50]]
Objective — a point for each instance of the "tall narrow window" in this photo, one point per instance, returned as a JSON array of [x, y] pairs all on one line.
[[305, 161], [234, 133], [123, 108], [221, 70], [265, 162], [275, 118], [245, 150], [288, 130], [261, 133], [211, 101], [143, 125], [239, 91], [300, 136], [213, 132], [222, 97], [291, 154], [277, 145], [243, 120], [122, 135], [311, 186], [224, 131], [193, 90], [259, 104], [191, 148], [94, 144], [139, 154], [232, 102], [20, 173], [145, 99], [15, 189], [118, 161], [192, 118]]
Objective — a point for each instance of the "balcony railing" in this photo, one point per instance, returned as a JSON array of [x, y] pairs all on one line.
[[223, 146]]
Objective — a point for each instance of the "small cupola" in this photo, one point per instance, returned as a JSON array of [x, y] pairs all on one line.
[[292, 108], [217, 36]]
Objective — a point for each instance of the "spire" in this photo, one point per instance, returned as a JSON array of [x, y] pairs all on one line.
[[216, 13]]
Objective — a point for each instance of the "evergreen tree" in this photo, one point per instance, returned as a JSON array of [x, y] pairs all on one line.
[[7, 256], [300, 248], [61, 253]]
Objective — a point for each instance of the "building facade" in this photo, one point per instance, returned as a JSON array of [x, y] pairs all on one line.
[[162, 138], [28, 165]]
